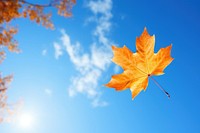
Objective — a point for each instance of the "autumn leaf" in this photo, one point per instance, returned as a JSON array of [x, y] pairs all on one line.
[[140, 66]]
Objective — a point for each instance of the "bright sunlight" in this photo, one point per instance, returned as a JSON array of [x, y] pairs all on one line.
[[25, 121]]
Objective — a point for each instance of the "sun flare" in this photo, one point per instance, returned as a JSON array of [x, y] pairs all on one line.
[[25, 121]]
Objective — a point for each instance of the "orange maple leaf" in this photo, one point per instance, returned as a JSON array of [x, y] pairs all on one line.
[[139, 66]]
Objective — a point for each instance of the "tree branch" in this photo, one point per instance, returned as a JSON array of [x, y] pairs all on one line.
[[44, 5], [32, 4]]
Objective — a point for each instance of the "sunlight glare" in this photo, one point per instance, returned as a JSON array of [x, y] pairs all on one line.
[[25, 121]]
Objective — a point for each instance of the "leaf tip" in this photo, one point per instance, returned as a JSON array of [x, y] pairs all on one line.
[[113, 47], [145, 32], [106, 85], [133, 97]]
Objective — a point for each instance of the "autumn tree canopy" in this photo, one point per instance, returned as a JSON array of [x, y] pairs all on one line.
[[15, 9]]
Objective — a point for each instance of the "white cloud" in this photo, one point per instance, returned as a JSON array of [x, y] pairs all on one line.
[[44, 52], [91, 65], [103, 9], [99, 103], [48, 92], [58, 50], [101, 6]]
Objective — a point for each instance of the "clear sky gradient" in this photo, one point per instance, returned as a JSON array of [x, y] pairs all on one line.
[[60, 74]]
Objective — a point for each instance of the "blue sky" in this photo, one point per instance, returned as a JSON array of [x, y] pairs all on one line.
[[60, 73]]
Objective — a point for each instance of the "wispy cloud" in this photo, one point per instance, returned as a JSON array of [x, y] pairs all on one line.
[[44, 52], [91, 65], [89, 69], [102, 16], [48, 92], [58, 50]]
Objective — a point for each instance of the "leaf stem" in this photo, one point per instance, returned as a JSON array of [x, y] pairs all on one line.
[[168, 95]]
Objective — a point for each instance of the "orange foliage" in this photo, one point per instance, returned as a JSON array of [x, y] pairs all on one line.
[[5, 108], [139, 66], [14, 9]]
